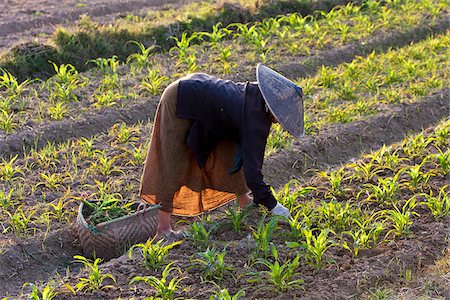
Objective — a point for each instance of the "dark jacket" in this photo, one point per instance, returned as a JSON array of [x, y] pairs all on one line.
[[223, 109]]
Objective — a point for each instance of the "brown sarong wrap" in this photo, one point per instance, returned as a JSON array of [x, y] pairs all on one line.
[[171, 175]]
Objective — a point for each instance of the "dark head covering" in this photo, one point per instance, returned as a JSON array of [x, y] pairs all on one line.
[[284, 99]]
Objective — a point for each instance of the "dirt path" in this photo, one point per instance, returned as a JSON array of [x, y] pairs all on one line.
[[23, 20]]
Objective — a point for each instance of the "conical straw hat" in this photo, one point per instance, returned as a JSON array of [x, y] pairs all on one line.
[[284, 99]]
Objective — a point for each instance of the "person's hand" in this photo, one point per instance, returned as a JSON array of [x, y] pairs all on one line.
[[280, 210]]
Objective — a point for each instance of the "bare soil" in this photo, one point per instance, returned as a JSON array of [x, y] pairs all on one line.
[[25, 20]]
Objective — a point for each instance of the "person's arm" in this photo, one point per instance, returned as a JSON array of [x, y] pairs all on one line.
[[253, 147]]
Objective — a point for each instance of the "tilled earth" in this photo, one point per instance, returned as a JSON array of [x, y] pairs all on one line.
[[25, 20]]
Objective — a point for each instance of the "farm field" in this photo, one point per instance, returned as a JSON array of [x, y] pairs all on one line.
[[368, 186]]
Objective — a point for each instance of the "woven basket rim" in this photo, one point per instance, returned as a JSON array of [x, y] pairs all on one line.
[[150, 207]]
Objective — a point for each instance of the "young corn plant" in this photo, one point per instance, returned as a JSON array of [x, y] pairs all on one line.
[[385, 192], [141, 58], [365, 171], [105, 165], [6, 199], [123, 133], [263, 236], [136, 155], [106, 65], [199, 235], [278, 139], [8, 169], [13, 88], [155, 254], [364, 236], [20, 221], [315, 246], [401, 219], [183, 44], [154, 81], [66, 74], [417, 179], [95, 279], [7, 121], [236, 217], [57, 111], [439, 205], [337, 216], [415, 146], [443, 161], [224, 294], [42, 292], [216, 35], [213, 264], [165, 288], [335, 179], [106, 99], [287, 197], [281, 276]]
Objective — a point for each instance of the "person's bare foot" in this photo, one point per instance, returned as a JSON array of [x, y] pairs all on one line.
[[244, 200]]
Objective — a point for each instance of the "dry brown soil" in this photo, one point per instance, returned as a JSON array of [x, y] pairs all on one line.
[[24, 20]]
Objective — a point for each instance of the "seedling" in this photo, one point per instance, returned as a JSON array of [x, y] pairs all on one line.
[[7, 121], [401, 220], [315, 246], [236, 217], [154, 81], [8, 169], [19, 221], [164, 288], [281, 275], [263, 236], [224, 294], [94, 281], [10, 83], [42, 292], [439, 205], [154, 252], [199, 235], [106, 65], [335, 179], [213, 263], [140, 58], [363, 237]]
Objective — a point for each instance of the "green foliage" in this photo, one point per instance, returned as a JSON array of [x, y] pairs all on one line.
[[335, 179], [164, 288], [153, 81], [108, 208], [439, 205], [94, 281], [401, 219], [43, 292], [237, 217], [199, 235], [141, 58], [224, 294], [213, 264], [263, 237], [281, 275], [20, 221], [154, 253], [11, 84], [315, 246]]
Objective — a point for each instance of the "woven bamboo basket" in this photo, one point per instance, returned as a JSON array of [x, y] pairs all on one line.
[[112, 238]]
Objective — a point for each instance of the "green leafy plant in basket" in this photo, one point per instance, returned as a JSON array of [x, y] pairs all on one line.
[[107, 209]]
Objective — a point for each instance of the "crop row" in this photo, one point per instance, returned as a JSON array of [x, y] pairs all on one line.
[[87, 39], [359, 206], [72, 95]]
